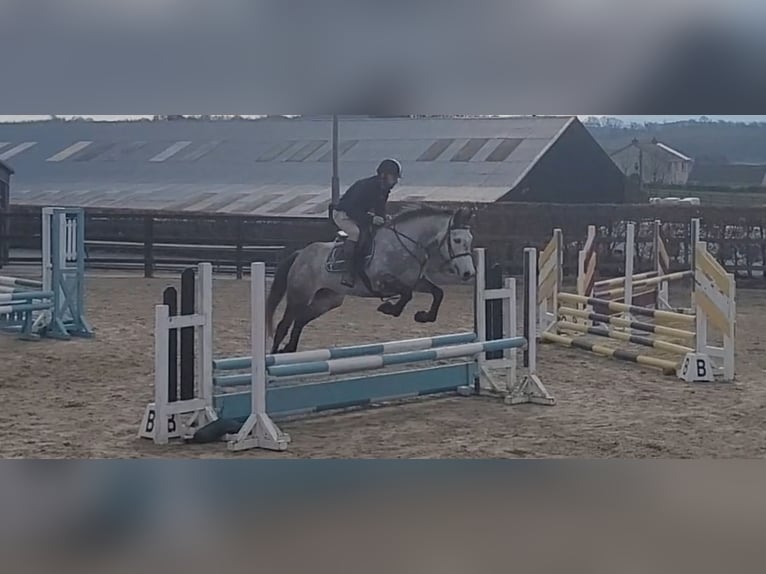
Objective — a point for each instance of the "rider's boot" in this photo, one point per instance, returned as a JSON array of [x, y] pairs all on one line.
[[349, 256]]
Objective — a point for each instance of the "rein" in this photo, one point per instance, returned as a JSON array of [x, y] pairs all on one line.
[[445, 238]]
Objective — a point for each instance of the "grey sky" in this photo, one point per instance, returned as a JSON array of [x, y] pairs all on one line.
[[639, 119]]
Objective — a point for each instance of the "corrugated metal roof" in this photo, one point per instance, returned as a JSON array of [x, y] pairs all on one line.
[[672, 151], [270, 167], [657, 149]]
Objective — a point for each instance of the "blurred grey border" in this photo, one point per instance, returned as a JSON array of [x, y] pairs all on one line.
[[339, 516], [392, 57]]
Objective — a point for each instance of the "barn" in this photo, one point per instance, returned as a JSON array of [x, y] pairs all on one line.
[[283, 167]]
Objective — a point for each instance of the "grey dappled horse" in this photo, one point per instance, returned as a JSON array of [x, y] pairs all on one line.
[[415, 245]]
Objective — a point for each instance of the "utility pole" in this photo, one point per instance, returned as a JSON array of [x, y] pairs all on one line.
[[636, 143], [335, 177]]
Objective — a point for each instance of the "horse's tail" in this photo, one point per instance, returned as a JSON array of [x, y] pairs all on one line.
[[278, 290]]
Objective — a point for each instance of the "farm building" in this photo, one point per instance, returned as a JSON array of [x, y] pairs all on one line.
[[283, 167], [655, 161]]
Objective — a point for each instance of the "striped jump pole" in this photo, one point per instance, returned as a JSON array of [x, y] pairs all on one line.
[[421, 343], [627, 337], [22, 310], [315, 362], [17, 282], [627, 323], [621, 307], [668, 367], [24, 306], [4, 289], [355, 364], [25, 296]]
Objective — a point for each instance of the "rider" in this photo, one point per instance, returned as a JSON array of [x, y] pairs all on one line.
[[364, 204]]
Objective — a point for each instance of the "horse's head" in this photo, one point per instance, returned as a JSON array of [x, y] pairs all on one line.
[[457, 246]]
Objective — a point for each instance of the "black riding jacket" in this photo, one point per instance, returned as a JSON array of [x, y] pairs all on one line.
[[366, 195]]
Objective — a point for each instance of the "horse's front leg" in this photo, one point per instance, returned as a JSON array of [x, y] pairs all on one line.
[[395, 309], [426, 286]]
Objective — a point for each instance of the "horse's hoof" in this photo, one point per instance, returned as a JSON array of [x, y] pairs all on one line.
[[388, 309], [424, 317]]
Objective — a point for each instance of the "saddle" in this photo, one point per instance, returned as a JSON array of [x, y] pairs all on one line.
[[336, 263]]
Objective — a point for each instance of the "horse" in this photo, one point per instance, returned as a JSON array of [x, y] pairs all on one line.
[[397, 262]]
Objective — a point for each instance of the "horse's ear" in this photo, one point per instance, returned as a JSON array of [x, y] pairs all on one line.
[[464, 216]]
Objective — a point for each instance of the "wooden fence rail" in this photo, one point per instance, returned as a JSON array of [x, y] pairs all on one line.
[[151, 240]]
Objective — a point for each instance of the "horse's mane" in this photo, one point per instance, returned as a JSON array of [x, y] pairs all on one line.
[[415, 210]]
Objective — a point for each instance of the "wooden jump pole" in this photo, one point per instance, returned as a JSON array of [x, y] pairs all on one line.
[[648, 282], [619, 280]]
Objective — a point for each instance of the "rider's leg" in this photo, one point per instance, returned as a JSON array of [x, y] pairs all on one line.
[[346, 224]]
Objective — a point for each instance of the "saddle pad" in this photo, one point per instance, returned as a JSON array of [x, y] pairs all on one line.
[[336, 263]]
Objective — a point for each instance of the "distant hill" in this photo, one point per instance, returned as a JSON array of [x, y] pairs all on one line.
[[706, 142]]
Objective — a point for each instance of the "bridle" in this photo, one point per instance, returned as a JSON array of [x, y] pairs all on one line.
[[446, 238]]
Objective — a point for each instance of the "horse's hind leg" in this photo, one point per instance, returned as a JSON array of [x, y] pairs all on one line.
[[324, 301], [282, 328]]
